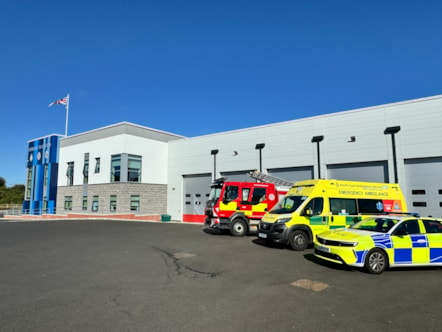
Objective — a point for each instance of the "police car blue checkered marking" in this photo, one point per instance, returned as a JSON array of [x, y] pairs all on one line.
[[360, 256], [435, 255], [403, 256], [382, 241], [419, 241]]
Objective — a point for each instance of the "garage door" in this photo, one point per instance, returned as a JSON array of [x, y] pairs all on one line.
[[293, 174], [237, 176], [372, 171], [196, 192], [423, 186]]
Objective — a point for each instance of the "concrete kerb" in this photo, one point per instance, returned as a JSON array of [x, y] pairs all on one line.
[[15, 218]]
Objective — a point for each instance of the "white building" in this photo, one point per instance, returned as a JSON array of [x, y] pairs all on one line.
[[399, 142], [116, 169]]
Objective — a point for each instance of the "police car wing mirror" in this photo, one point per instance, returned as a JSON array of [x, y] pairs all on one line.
[[400, 232]]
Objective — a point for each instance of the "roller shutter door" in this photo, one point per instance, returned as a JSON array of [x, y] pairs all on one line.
[[372, 171], [196, 190], [293, 174], [423, 179], [239, 176]]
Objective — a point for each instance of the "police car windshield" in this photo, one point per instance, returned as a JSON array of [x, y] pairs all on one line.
[[376, 224], [288, 204]]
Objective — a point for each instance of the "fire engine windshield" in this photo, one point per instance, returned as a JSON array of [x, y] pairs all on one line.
[[288, 204], [214, 193]]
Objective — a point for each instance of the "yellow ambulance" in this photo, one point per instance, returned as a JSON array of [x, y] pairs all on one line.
[[313, 206]]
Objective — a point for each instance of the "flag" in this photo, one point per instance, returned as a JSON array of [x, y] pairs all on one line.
[[62, 101]]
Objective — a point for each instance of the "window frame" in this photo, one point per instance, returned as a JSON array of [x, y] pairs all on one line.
[[95, 203], [70, 173], [68, 203], [113, 203], [97, 165], [115, 168], [134, 159], [84, 203], [135, 203]]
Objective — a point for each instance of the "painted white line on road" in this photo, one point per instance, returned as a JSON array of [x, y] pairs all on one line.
[[180, 255]]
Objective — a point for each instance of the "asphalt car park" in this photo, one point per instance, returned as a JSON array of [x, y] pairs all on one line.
[[102, 275]]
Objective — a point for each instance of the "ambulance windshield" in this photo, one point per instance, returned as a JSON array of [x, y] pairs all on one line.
[[288, 204]]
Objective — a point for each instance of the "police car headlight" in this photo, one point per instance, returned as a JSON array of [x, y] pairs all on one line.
[[348, 244], [283, 220]]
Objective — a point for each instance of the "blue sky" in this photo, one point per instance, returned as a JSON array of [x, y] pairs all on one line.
[[199, 67]]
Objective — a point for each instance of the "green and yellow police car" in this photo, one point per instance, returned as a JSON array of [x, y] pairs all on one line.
[[383, 241]]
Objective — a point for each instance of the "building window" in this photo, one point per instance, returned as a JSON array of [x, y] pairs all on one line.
[[134, 169], [94, 203], [116, 168], [97, 165], [28, 184], [113, 203], [135, 202], [86, 169], [45, 182], [418, 192], [68, 203], [84, 206], [70, 173]]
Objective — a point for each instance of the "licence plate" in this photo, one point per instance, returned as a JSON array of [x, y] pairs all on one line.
[[322, 248], [262, 235]]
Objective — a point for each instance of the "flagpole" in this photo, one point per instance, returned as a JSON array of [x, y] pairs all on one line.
[[67, 117]]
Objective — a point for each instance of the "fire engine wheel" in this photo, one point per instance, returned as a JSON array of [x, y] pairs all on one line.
[[298, 240], [238, 227]]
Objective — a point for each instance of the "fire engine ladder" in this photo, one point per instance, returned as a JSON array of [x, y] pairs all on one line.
[[269, 179]]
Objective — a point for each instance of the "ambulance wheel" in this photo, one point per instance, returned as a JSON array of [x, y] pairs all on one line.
[[298, 240], [238, 228], [376, 261]]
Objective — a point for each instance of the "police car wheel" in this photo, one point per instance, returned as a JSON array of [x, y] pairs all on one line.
[[376, 261], [298, 240], [238, 228]]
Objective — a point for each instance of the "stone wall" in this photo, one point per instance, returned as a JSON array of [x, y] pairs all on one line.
[[153, 198]]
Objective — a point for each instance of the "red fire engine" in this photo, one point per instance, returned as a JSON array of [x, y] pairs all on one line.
[[237, 207]]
